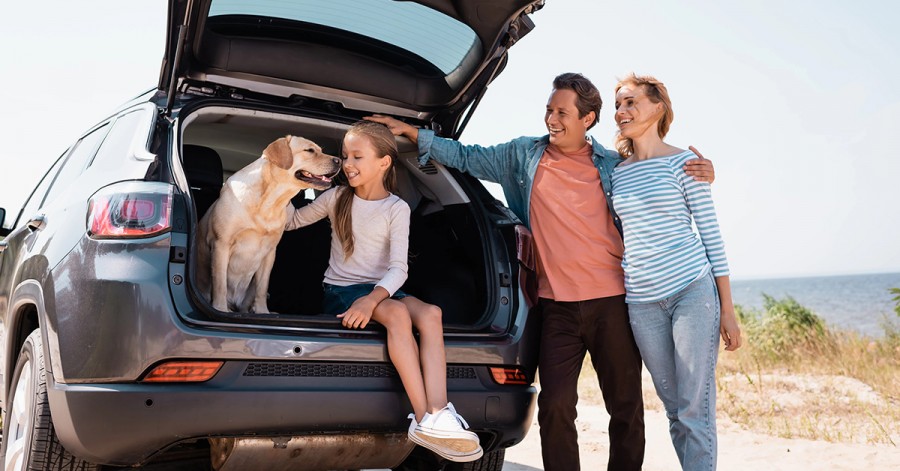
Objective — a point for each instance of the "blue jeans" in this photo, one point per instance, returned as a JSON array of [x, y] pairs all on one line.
[[679, 341], [337, 299]]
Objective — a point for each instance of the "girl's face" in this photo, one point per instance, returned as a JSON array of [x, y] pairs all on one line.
[[362, 164], [635, 113]]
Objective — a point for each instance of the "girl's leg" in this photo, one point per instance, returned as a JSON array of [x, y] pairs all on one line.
[[443, 430], [695, 330], [427, 320], [403, 351]]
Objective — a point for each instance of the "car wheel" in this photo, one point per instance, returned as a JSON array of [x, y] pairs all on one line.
[[29, 439], [492, 461]]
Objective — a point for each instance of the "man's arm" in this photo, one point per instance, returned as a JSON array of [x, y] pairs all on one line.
[[493, 163], [701, 169], [397, 127]]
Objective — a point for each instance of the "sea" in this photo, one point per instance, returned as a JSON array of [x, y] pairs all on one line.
[[847, 302]]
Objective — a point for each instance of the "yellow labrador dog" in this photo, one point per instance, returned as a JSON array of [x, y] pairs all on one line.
[[238, 234]]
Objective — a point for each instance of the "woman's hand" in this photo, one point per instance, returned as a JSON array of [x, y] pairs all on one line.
[[701, 169], [730, 331]]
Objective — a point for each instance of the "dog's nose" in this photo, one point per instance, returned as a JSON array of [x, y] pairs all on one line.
[[336, 160]]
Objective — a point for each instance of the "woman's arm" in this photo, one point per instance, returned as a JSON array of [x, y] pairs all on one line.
[[728, 328], [699, 201]]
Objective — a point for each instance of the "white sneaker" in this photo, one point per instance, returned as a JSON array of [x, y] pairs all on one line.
[[436, 447], [446, 434]]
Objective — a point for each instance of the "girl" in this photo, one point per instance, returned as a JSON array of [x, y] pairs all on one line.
[[676, 281], [367, 267]]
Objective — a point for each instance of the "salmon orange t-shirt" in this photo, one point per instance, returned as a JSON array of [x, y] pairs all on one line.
[[579, 251]]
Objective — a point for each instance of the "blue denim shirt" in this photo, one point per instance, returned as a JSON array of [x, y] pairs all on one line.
[[512, 165]]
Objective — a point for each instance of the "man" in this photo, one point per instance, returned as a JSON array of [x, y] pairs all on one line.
[[559, 186]]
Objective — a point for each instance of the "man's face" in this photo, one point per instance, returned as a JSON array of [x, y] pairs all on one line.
[[567, 130]]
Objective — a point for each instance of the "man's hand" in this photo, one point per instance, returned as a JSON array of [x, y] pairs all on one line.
[[701, 169], [397, 127]]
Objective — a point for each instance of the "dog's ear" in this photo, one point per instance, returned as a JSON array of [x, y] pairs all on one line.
[[279, 153]]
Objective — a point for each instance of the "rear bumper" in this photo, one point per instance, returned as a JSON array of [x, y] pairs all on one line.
[[126, 424]]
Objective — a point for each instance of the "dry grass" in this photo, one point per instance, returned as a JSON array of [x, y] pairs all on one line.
[[798, 379]]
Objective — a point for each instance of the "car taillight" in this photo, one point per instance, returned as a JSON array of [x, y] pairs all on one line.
[[509, 376], [130, 210], [183, 372]]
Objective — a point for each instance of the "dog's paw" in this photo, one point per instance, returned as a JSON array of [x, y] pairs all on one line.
[[260, 309]]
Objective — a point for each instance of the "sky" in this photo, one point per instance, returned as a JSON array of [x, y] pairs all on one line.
[[796, 104]]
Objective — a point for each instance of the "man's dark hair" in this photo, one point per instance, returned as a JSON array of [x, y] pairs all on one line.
[[588, 95]]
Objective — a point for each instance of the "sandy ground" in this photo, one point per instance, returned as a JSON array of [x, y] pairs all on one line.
[[738, 449]]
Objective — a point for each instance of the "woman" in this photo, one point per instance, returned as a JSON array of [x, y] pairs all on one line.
[[676, 281]]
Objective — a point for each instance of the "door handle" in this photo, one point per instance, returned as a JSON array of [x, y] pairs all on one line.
[[3, 245], [37, 223]]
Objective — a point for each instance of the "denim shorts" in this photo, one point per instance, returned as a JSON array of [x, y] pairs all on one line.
[[338, 299]]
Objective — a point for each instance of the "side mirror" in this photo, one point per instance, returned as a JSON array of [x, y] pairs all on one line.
[[3, 231]]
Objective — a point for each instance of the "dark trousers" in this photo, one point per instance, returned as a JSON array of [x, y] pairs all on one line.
[[601, 327]]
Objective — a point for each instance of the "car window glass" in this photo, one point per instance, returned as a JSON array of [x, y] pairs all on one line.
[[77, 161], [37, 196], [399, 24], [117, 144]]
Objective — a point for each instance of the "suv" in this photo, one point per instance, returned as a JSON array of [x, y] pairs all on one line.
[[110, 357]]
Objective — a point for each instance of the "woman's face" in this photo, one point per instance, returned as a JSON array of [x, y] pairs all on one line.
[[635, 113]]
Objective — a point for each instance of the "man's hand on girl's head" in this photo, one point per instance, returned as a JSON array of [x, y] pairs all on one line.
[[397, 127]]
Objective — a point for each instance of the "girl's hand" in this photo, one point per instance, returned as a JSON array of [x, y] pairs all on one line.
[[730, 331], [359, 314], [701, 169]]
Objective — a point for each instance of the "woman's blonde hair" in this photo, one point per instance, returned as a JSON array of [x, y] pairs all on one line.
[[657, 93], [381, 139]]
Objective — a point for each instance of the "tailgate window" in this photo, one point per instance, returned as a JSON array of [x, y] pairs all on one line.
[[437, 38]]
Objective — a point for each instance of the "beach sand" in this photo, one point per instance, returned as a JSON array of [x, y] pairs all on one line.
[[739, 449]]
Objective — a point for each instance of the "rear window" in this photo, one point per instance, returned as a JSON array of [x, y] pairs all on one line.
[[439, 39]]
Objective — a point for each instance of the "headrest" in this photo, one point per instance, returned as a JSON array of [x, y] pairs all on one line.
[[202, 166]]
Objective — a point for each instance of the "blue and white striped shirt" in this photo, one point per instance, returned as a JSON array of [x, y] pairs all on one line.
[[656, 200]]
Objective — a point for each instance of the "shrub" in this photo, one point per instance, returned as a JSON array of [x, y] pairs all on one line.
[[896, 293], [783, 329]]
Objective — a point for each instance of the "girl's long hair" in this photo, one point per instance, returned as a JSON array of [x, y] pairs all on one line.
[[657, 93], [384, 143]]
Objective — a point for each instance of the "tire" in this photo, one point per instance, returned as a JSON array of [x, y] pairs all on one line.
[[492, 461], [29, 439]]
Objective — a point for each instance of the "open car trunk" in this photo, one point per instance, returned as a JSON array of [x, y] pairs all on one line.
[[454, 247]]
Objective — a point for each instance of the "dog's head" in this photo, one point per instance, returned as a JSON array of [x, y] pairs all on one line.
[[304, 161]]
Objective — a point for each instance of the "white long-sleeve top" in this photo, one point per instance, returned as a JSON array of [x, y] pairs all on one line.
[[380, 239]]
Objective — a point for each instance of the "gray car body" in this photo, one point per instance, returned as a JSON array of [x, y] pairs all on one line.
[[109, 310]]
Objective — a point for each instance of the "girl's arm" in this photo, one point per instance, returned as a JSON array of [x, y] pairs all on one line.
[[358, 315], [317, 210], [399, 249], [360, 312]]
